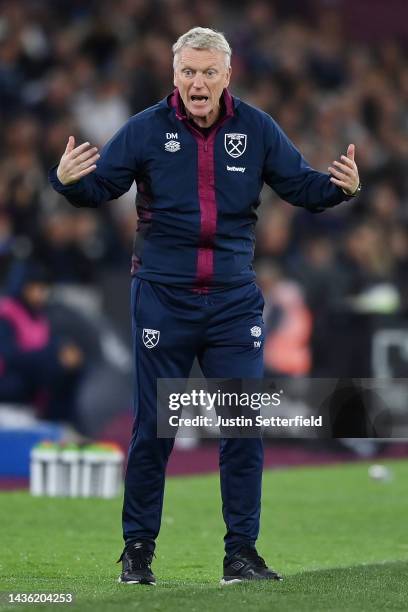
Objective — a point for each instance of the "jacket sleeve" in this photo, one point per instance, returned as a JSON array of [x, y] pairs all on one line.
[[288, 173], [120, 160]]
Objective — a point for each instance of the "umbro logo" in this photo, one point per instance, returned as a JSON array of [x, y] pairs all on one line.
[[172, 146], [256, 331], [237, 565]]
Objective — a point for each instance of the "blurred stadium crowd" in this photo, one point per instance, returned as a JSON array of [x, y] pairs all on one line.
[[82, 67]]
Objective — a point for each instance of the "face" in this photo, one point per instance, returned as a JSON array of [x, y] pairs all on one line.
[[200, 76], [36, 294]]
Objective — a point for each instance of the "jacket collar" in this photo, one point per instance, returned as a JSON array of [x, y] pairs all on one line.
[[174, 101]]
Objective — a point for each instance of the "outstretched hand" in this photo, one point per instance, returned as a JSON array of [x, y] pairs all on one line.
[[76, 162], [345, 173]]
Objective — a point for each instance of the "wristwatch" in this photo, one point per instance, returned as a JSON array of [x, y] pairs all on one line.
[[353, 195]]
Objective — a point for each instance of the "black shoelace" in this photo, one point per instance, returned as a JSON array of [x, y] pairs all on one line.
[[139, 557], [251, 555]]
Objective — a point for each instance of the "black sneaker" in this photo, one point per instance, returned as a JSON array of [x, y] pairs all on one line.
[[247, 565], [136, 560]]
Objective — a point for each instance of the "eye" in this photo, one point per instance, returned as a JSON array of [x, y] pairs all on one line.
[[211, 73], [187, 72]]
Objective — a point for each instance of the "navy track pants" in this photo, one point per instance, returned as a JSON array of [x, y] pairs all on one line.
[[215, 328]]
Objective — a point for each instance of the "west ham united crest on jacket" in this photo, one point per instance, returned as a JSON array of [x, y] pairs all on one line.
[[235, 144]]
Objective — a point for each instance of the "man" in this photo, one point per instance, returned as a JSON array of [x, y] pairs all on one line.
[[199, 158], [36, 367]]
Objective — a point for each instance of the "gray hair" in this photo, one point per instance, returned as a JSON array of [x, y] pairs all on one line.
[[203, 38]]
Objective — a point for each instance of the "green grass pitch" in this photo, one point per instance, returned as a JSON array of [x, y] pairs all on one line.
[[339, 538]]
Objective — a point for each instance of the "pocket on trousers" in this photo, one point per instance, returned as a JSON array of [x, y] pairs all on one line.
[[135, 297]]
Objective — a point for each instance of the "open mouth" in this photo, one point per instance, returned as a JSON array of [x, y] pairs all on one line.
[[199, 98]]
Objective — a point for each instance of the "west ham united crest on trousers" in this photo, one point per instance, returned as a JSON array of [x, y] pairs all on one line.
[[150, 338]]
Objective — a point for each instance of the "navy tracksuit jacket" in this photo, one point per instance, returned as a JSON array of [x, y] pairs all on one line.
[[193, 277]]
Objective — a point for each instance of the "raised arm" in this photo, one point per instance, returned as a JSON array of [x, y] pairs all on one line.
[[288, 173], [345, 174], [76, 162], [87, 178]]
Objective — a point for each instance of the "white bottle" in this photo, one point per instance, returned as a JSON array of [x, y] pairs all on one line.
[[69, 476], [102, 467], [44, 469], [112, 472], [91, 471]]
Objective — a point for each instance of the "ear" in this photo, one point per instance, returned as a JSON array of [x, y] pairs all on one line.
[[228, 77], [175, 79]]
